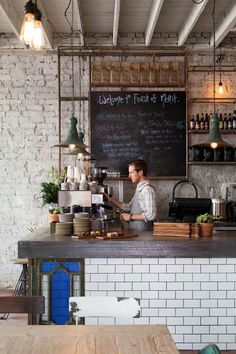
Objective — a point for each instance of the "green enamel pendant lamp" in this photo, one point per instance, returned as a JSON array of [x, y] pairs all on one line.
[[73, 139], [214, 139]]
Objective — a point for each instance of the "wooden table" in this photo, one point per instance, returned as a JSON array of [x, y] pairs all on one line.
[[123, 339]]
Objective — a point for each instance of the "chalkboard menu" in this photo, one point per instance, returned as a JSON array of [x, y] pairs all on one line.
[[147, 125]]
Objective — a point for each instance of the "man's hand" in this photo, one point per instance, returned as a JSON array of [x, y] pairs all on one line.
[[125, 216]]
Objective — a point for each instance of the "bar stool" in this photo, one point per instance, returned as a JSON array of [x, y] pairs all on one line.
[[22, 282]]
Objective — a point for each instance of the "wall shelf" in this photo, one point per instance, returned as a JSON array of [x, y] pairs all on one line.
[[231, 100], [222, 131], [211, 163]]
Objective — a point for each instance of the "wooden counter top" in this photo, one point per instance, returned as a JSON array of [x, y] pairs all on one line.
[[40, 244]]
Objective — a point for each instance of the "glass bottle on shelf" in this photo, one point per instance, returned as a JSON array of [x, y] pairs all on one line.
[[197, 122], [192, 123], [202, 122], [206, 122], [221, 123], [234, 120], [230, 122], [225, 122]]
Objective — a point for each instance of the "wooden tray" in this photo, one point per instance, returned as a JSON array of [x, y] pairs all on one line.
[[127, 234], [172, 229]]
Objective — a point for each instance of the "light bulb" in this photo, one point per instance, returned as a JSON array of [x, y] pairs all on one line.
[[71, 146], [80, 156], [213, 145], [27, 29], [38, 36], [221, 88]]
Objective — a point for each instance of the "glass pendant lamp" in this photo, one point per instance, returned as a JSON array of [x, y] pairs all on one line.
[[27, 28], [38, 42]]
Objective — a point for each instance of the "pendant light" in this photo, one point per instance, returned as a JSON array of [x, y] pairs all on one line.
[[32, 33], [74, 138], [220, 85], [214, 139]]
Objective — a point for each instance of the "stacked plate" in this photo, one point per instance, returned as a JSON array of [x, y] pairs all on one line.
[[64, 228], [81, 225]]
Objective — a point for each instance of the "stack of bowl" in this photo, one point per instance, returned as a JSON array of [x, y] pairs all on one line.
[[81, 223], [64, 228], [67, 217]]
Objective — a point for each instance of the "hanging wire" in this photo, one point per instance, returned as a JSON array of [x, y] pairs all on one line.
[[214, 54], [72, 60]]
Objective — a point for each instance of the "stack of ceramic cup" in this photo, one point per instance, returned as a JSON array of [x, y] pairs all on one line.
[[81, 223], [64, 228]]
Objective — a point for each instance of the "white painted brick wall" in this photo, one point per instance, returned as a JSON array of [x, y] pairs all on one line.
[[193, 299]]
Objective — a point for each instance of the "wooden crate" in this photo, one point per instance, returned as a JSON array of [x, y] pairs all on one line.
[[171, 229]]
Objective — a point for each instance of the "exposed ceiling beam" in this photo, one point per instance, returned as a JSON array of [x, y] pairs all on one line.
[[152, 20], [227, 23], [190, 21], [78, 17], [45, 24], [9, 11], [116, 21]]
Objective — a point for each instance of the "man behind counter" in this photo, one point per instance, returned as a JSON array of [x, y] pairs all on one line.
[[141, 210]]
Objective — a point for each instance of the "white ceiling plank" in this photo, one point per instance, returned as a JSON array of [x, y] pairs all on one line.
[[10, 13], [78, 14], [190, 21], [46, 27], [116, 21], [152, 20], [227, 23]]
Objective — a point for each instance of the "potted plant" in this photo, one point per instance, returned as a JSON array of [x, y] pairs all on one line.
[[206, 224], [54, 214], [49, 193]]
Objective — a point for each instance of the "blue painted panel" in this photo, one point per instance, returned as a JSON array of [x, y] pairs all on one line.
[[60, 292], [59, 288]]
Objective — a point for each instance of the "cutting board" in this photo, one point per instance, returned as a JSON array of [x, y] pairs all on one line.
[[172, 229]]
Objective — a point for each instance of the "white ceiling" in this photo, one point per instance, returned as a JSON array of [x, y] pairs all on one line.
[[120, 18]]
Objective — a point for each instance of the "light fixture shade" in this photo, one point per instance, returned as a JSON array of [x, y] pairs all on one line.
[[72, 139], [78, 151], [214, 139]]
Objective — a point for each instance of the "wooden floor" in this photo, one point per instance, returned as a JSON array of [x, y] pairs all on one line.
[[14, 319]]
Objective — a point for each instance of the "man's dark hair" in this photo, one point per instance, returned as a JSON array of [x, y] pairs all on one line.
[[140, 165]]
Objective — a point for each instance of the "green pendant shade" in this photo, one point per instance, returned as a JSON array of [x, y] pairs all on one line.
[[78, 151], [214, 139], [73, 137]]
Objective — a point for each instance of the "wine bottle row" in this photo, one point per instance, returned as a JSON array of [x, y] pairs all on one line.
[[202, 122]]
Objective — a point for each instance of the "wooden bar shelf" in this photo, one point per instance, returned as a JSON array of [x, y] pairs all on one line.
[[211, 163], [222, 131]]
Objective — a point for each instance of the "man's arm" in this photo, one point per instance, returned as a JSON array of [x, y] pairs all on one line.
[[113, 201]]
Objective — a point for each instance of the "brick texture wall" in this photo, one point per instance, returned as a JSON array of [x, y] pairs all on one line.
[[29, 129]]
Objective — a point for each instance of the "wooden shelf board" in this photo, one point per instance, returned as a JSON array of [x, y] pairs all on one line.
[[211, 100], [76, 98], [222, 131], [211, 163]]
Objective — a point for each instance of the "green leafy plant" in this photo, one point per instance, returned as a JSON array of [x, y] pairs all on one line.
[[50, 190], [205, 218], [54, 210]]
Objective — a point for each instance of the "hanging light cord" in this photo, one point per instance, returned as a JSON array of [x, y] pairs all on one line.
[[214, 53], [72, 60]]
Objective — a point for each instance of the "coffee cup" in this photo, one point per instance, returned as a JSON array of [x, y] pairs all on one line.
[[65, 186]]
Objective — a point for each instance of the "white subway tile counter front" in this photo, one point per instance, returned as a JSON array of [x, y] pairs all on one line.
[[189, 285]]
